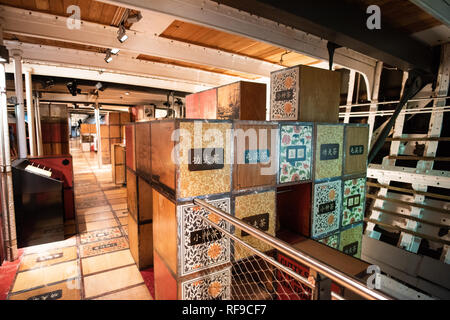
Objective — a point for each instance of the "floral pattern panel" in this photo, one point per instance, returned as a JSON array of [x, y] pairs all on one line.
[[353, 201], [350, 241], [331, 241], [214, 286], [200, 246], [295, 153], [327, 208], [284, 87]]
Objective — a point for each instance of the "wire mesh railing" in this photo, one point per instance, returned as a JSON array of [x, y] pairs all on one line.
[[278, 272]]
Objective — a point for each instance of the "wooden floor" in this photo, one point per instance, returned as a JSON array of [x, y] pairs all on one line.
[[94, 262]]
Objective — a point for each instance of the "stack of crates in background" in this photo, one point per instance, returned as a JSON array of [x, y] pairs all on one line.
[[55, 129], [88, 131], [112, 132]]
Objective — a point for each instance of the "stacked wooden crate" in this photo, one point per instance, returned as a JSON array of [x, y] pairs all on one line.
[[118, 164], [112, 132], [139, 192], [55, 129]]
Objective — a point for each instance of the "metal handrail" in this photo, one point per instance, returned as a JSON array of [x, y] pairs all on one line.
[[328, 271], [263, 256]]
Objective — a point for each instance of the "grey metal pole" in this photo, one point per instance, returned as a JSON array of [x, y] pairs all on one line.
[[20, 110]]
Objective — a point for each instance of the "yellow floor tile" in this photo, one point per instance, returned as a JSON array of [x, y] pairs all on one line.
[[47, 258], [96, 217], [38, 277], [104, 282], [106, 261], [137, 293], [97, 225], [93, 210], [119, 206], [123, 221]]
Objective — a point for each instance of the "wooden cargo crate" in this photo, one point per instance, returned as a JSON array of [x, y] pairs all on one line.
[[130, 144], [294, 208], [201, 166], [327, 208], [328, 151], [350, 240], [355, 148], [124, 118], [104, 131], [255, 155], [186, 243], [143, 158], [113, 118], [212, 284], [145, 201], [132, 195], [114, 131], [307, 94], [346, 264], [295, 153], [118, 163], [259, 210], [140, 237], [353, 200], [202, 105], [236, 101]]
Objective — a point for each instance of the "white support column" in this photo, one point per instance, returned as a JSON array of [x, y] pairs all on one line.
[[99, 138], [375, 90], [30, 114], [7, 195], [351, 87], [40, 148], [20, 110]]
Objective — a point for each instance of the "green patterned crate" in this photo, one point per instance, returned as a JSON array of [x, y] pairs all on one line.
[[350, 240], [328, 151], [326, 209], [331, 240], [295, 152], [354, 197]]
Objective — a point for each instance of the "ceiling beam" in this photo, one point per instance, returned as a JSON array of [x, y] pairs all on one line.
[[346, 25], [228, 19], [169, 76], [77, 72], [440, 9], [46, 26]]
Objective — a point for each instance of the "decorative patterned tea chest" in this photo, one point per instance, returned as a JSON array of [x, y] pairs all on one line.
[[191, 158], [328, 151], [295, 152], [190, 249], [354, 191], [236, 101], [303, 93], [350, 240]]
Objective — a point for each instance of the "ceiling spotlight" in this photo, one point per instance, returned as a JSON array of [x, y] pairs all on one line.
[[121, 34], [100, 86], [127, 93], [108, 57], [134, 18], [4, 54], [72, 86], [115, 51]]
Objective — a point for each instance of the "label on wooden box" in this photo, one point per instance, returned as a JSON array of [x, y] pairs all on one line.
[[295, 153], [214, 286], [327, 208], [356, 150], [256, 156], [206, 159], [259, 221], [287, 287], [201, 246], [354, 199], [329, 151], [350, 241], [284, 94]]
